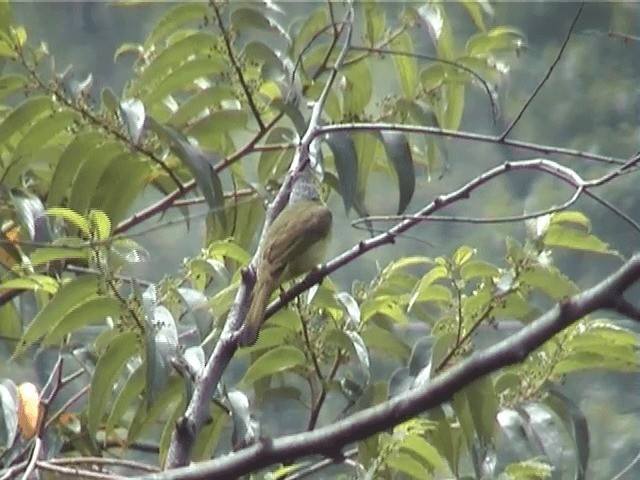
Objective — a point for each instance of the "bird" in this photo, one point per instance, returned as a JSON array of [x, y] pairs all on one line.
[[294, 244]]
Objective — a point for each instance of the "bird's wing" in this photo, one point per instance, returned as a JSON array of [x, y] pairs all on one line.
[[308, 223]]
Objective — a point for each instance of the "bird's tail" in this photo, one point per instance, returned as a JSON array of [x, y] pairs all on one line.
[[255, 315]]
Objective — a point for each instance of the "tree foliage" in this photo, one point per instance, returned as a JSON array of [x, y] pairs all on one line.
[[224, 103]]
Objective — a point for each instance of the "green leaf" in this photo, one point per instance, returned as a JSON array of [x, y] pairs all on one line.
[[144, 418], [119, 351], [158, 352], [274, 361], [248, 215], [442, 436], [273, 164], [406, 262], [346, 161], [100, 224], [478, 268], [19, 35], [548, 280], [496, 40], [134, 49], [45, 130], [434, 294], [169, 429], [406, 67], [291, 109], [68, 297], [424, 450], [6, 50], [385, 342], [475, 9], [200, 164], [399, 154], [196, 104], [462, 255], [182, 78], [94, 310], [11, 83], [572, 218], [560, 236], [175, 55], [228, 249], [73, 217], [69, 163], [453, 96], [6, 17], [576, 425], [10, 326], [406, 463], [243, 17], [271, 336], [445, 38], [127, 397], [88, 175], [261, 54], [375, 23], [387, 305], [23, 115], [50, 254], [209, 436], [516, 305], [9, 408], [110, 101], [432, 77], [217, 124], [175, 18], [32, 282], [426, 282], [309, 29], [529, 469], [131, 175], [332, 107], [483, 406], [356, 89]]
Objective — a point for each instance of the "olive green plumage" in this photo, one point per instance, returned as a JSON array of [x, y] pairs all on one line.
[[294, 244]]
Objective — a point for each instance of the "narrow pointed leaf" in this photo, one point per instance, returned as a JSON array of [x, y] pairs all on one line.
[[111, 362], [399, 154], [94, 310], [274, 361], [199, 163], [346, 160]]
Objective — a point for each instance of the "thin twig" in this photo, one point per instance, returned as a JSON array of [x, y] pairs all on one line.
[[117, 462], [546, 76], [74, 398], [421, 56], [317, 405], [427, 130], [236, 66]]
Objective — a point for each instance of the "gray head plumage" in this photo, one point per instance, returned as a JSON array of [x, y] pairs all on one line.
[[303, 187]]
